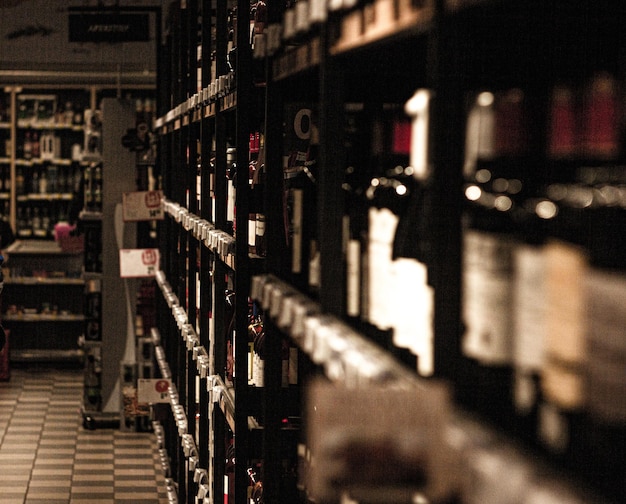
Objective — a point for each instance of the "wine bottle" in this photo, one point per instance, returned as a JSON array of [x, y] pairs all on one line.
[[562, 378], [46, 222], [19, 180], [358, 174], [88, 188], [300, 191], [252, 233], [260, 243], [28, 146], [97, 188], [498, 142], [43, 182], [27, 230], [38, 230], [231, 172], [34, 182], [229, 336]]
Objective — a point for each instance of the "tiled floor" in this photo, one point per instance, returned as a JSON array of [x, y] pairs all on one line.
[[47, 457]]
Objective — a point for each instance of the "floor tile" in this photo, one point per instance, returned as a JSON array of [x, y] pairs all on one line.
[[50, 483], [46, 456], [81, 479]]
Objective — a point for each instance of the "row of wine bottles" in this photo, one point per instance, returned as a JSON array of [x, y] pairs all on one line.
[[46, 109], [49, 178], [582, 121], [546, 313], [38, 221], [256, 177], [257, 337]]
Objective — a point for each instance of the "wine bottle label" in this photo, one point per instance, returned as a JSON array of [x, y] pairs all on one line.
[[260, 225], [293, 365], [285, 373], [289, 23], [487, 297], [414, 310], [230, 208], [529, 307], [296, 225], [479, 139], [418, 107], [251, 363], [251, 231], [260, 371], [565, 348], [353, 288], [606, 366], [524, 392], [314, 265], [382, 227], [302, 16], [553, 428], [318, 12]]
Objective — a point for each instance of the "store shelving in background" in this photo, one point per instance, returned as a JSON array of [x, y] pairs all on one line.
[[45, 313]]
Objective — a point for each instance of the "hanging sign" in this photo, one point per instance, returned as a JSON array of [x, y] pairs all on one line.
[[142, 206], [152, 390], [136, 263], [102, 27]]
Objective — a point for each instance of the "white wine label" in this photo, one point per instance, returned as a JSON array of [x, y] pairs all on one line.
[[565, 346], [353, 287], [479, 139], [529, 307], [315, 272], [259, 227], [487, 297], [413, 307], [252, 231], [230, 207], [251, 363], [318, 11], [382, 228], [418, 107], [302, 16], [524, 392], [289, 23], [553, 428]]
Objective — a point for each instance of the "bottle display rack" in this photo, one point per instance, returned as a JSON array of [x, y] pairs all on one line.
[[433, 194]]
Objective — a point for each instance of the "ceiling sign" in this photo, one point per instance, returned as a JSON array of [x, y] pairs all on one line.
[[109, 27]]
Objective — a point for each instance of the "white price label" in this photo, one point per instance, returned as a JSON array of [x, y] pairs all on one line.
[[142, 206], [150, 390], [136, 263]]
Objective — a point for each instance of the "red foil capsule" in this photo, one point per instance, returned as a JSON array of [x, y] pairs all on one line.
[[511, 129], [563, 141], [601, 118]]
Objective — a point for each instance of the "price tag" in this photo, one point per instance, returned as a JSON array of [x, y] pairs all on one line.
[[142, 206], [135, 263], [152, 390]]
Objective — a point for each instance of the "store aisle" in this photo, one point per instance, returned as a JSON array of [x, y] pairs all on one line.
[[47, 456]]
